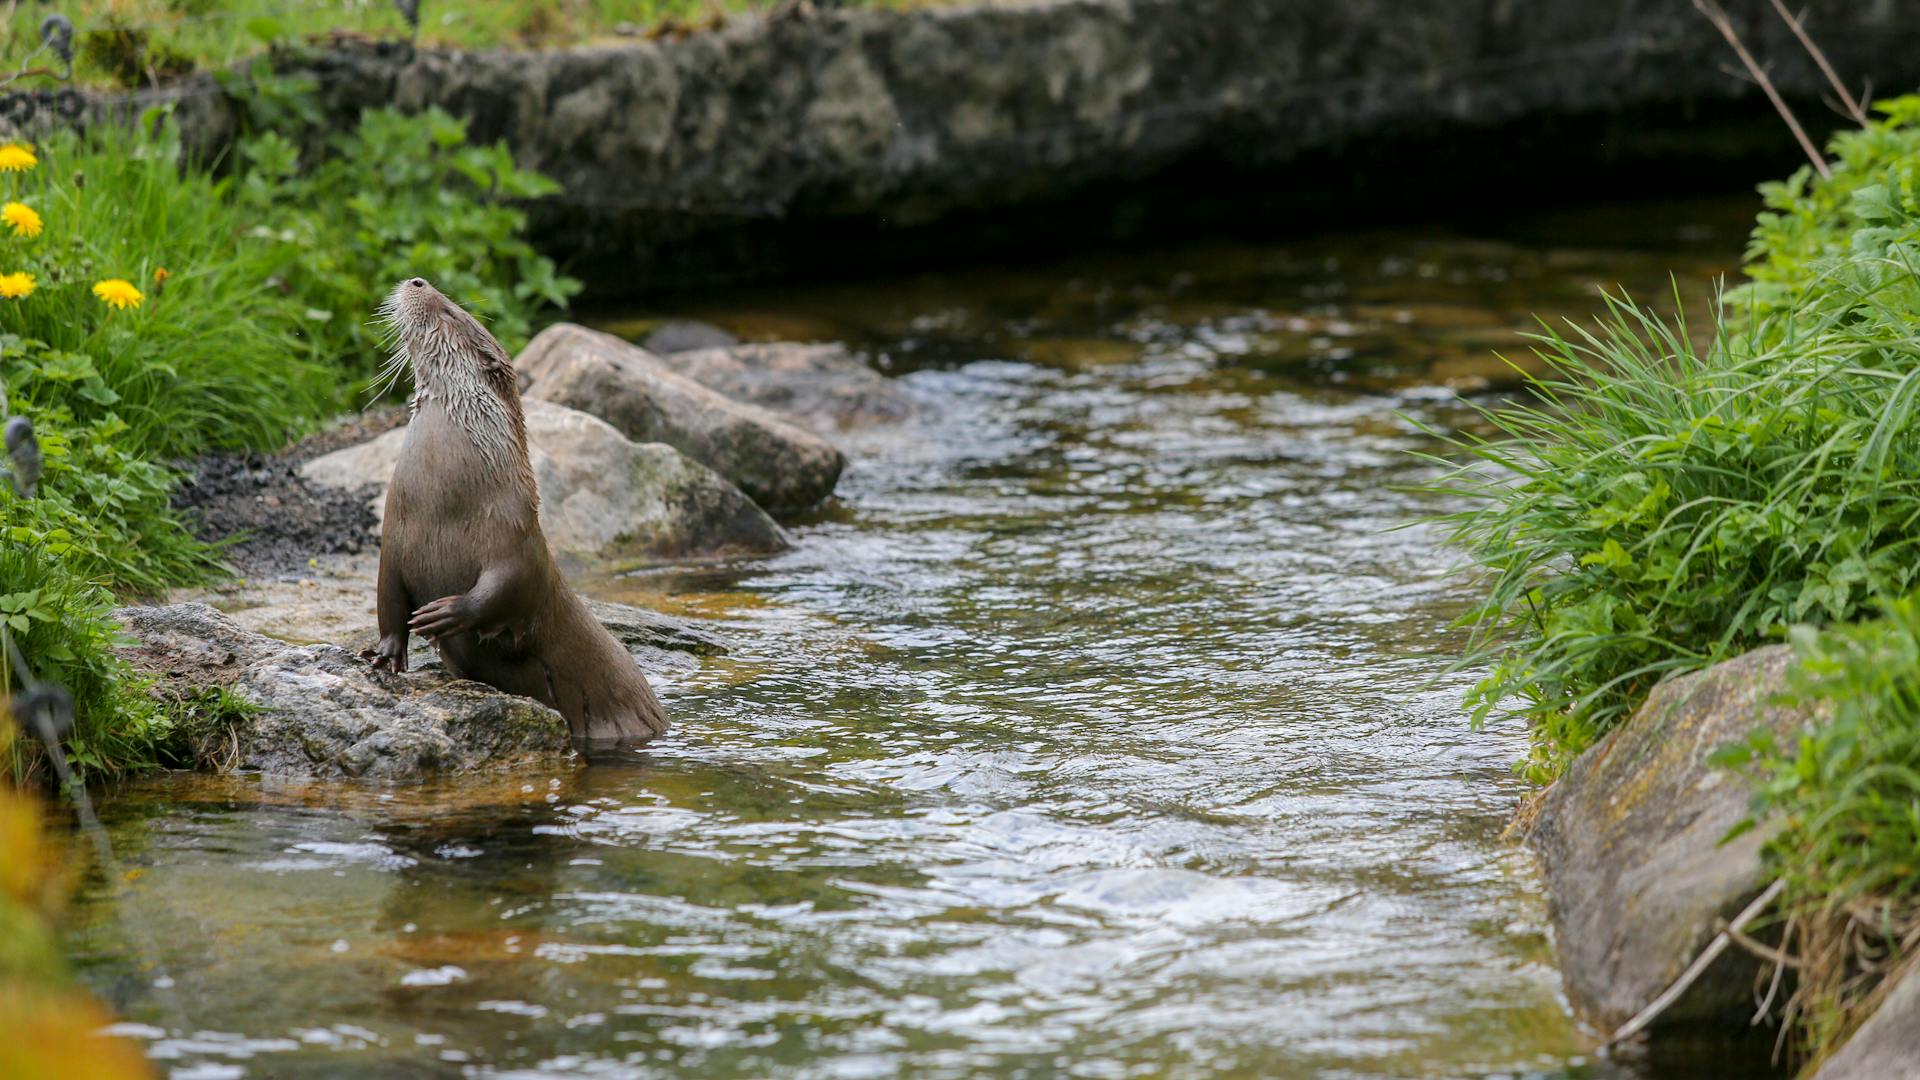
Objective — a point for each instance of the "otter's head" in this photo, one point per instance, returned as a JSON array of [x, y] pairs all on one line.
[[455, 363]]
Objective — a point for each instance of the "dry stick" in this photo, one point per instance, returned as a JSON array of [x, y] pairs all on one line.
[[1852, 103], [1699, 966], [1779, 971], [1718, 17]]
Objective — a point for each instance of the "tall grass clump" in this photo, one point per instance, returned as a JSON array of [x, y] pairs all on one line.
[[190, 347], [1658, 505], [151, 310]]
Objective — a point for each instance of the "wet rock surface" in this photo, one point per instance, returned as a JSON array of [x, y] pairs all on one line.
[[781, 466], [332, 602], [319, 711], [821, 387], [1629, 838], [602, 495]]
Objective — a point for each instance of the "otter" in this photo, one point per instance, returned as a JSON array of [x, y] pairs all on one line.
[[463, 562]]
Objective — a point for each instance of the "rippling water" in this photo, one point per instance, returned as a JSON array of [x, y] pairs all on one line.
[[1101, 728]]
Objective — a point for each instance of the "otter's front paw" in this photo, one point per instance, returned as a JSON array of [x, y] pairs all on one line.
[[389, 655], [440, 618]]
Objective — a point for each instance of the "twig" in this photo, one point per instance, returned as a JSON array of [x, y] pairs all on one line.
[[1852, 103], [1779, 971], [1700, 964], [1718, 17], [1778, 957]]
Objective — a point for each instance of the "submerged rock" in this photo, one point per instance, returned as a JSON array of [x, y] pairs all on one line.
[[601, 494], [1637, 877], [782, 467], [822, 387], [1887, 1045], [319, 711], [685, 335]]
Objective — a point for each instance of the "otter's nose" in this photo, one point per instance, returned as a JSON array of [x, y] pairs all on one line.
[[417, 282]]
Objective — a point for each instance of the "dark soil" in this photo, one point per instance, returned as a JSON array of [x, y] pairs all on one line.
[[271, 519]]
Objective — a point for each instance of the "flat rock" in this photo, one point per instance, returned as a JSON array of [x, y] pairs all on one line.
[[602, 495], [822, 387], [332, 602], [782, 467], [1630, 842], [323, 713], [1887, 1045]]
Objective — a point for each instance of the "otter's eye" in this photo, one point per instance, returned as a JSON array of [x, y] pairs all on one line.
[[417, 282]]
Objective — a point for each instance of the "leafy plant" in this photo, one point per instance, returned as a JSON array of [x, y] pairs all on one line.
[[1820, 235], [1661, 505], [402, 196], [62, 623], [1846, 795]]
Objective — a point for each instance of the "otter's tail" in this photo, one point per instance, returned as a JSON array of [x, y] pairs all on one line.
[[597, 685]]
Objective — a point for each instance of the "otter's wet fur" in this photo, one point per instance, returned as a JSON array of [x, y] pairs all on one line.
[[462, 559]]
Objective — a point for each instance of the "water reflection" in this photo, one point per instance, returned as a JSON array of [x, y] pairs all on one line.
[[1102, 728]]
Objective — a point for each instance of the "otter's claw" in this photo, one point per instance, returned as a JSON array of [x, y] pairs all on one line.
[[440, 618], [389, 655]]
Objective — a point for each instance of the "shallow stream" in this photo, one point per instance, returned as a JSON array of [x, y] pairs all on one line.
[[1101, 728]]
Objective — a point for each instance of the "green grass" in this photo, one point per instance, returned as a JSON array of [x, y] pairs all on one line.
[[135, 42], [254, 292], [211, 357], [1655, 505], [1659, 506]]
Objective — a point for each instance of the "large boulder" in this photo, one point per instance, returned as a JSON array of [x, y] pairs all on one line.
[[1887, 1045], [1630, 839], [318, 711], [783, 467], [822, 387], [602, 496]]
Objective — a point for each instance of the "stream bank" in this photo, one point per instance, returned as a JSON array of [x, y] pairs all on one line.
[[858, 140]]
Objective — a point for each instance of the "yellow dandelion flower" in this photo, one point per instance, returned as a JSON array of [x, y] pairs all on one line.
[[17, 157], [118, 292], [160, 276], [23, 218], [16, 285]]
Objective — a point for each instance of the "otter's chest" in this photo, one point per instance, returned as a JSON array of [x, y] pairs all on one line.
[[451, 510]]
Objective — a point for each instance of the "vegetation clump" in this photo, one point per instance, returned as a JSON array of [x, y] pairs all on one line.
[[1662, 502], [151, 310]]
